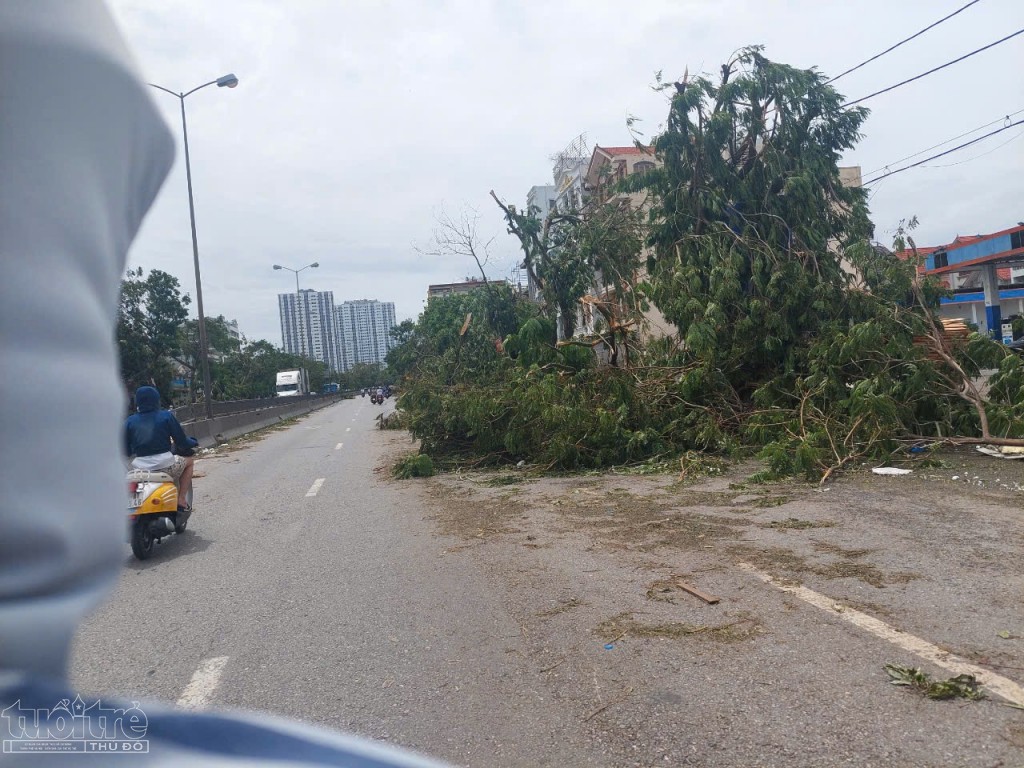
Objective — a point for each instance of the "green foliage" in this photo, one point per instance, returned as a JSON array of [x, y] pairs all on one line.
[[959, 687], [251, 372], [221, 346], [436, 346], [749, 201], [362, 376], [153, 333], [417, 465], [572, 254], [149, 315], [560, 271], [798, 338]]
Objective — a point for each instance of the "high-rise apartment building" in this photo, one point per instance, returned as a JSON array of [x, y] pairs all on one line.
[[309, 326], [364, 331]]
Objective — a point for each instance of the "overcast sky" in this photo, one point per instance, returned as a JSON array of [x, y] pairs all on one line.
[[354, 122]]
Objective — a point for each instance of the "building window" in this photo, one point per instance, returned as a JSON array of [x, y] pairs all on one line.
[[643, 167]]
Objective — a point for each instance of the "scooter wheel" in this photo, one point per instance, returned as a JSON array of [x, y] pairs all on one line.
[[142, 540]]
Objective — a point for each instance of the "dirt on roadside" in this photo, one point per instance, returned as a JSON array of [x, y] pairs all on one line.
[[591, 566]]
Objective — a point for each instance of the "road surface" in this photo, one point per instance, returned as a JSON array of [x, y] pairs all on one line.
[[490, 619], [309, 587]]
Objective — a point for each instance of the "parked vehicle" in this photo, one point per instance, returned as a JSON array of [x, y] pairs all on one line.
[[292, 383], [153, 511]]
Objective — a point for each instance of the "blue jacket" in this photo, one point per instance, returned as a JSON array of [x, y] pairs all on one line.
[[150, 431]]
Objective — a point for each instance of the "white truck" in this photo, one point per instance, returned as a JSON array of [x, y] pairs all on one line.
[[292, 383]]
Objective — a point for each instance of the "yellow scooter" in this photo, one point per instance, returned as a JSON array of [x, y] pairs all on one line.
[[153, 508]]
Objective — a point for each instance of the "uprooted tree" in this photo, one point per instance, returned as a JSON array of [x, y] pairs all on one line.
[[799, 334], [799, 338]]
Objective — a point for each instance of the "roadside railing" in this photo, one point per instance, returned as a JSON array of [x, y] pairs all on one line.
[[190, 413]]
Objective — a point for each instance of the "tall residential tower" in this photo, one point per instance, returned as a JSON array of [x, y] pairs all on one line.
[[364, 331], [309, 326]]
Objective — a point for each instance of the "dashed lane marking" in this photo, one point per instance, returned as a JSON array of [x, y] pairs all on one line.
[[348, 429], [1001, 686], [204, 682], [338, 446], [315, 487]]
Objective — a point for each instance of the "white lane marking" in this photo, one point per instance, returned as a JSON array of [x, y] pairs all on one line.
[[315, 487], [997, 684], [348, 429], [338, 446], [204, 682]]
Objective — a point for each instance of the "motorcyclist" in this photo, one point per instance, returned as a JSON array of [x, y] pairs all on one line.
[[148, 436], [84, 152]]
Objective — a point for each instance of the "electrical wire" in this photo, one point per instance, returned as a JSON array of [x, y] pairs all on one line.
[[901, 42], [936, 69], [969, 159], [1003, 119], [942, 154]]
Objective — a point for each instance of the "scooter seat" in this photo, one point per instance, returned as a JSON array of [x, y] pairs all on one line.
[[146, 476]]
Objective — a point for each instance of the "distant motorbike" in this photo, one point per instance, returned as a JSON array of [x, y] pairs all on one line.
[[377, 399], [153, 507]]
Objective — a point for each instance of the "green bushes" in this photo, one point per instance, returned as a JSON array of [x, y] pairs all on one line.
[[417, 465]]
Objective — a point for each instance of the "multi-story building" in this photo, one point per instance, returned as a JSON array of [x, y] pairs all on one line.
[[446, 289], [570, 175], [540, 200], [233, 332], [607, 167], [309, 326], [986, 276], [364, 331]]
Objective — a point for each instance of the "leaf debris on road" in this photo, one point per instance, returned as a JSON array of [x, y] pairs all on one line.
[[961, 686]]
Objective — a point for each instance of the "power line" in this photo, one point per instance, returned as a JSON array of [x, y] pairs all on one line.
[[901, 42], [969, 159], [930, 71], [942, 154], [1004, 119]]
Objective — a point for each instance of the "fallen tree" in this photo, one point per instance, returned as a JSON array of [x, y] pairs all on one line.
[[796, 335]]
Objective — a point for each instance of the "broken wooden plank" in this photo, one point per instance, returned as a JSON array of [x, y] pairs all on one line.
[[710, 600]]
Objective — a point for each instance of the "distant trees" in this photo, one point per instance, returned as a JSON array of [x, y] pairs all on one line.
[[155, 337], [151, 312], [362, 375], [251, 371]]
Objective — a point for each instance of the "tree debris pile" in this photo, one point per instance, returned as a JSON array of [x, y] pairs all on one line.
[[798, 338]]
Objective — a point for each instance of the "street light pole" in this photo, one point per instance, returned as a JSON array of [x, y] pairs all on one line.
[[229, 81], [298, 298]]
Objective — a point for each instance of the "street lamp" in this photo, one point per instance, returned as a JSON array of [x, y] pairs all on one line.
[[298, 298], [227, 81]]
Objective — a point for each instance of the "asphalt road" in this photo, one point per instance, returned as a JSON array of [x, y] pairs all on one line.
[[491, 624], [308, 587]]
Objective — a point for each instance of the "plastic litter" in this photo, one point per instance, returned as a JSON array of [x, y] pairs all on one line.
[[1002, 451], [891, 471]]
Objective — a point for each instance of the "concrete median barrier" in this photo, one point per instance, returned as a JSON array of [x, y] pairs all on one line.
[[210, 432]]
